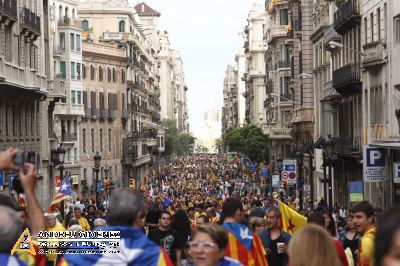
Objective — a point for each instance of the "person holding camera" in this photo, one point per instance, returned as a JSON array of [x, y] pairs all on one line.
[[10, 225]]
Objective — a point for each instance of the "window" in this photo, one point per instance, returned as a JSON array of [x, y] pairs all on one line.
[[62, 40], [92, 139], [72, 41], [114, 75], [101, 139], [121, 26], [91, 72], [109, 74], [68, 155], [79, 97], [72, 70], [162, 142], [285, 89], [78, 71], [385, 21], [63, 70], [78, 42], [397, 29], [378, 23], [84, 140], [73, 97], [365, 30], [85, 25], [84, 71], [122, 76], [283, 16], [100, 73], [372, 26], [109, 139]]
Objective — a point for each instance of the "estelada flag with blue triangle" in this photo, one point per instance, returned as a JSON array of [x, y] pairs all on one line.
[[290, 220], [63, 193]]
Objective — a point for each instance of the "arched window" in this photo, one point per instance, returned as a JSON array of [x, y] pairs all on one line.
[[66, 12], [60, 12], [122, 26], [73, 13], [85, 25]]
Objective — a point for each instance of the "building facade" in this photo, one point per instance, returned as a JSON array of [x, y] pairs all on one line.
[[230, 110]]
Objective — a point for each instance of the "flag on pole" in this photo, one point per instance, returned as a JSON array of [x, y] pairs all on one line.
[[21, 200], [64, 192], [290, 220]]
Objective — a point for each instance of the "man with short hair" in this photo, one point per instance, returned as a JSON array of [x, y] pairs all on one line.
[[167, 238], [243, 245], [91, 215], [82, 220], [126, 211], [363, 220], [99, 222], [270, 237], [211, 215]]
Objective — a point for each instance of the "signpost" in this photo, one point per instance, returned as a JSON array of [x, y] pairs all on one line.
[[289, 171], [374, 164]]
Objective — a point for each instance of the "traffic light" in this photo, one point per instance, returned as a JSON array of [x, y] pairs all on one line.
[[132, 183], [285, 184]]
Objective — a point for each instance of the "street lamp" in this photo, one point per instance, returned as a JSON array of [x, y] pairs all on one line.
[[334, 45], [300, 182], [61, 158], [329, 146], [97, 160], [279, 161]]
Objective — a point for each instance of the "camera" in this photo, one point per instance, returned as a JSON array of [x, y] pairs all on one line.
[[19, 161]]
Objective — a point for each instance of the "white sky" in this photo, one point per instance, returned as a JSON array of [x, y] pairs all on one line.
[[206, 32]]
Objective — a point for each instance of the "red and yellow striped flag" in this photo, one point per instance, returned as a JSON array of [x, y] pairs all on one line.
[[290, 220]]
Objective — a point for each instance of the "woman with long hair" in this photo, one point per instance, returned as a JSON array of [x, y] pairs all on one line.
[[181, 224], [330, 223], [318, 251]]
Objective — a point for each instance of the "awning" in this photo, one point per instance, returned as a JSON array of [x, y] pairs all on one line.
[[387, 145]]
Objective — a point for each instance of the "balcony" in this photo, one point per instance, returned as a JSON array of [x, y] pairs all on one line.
[[87, 35], [103, 113], [69, 137], [330, 92], [56, 89], [131, 37], [374, 55], [30, 24], [330, 35], [8, 10], [69, 22], [125, 113], [284, 64], [111, 114], [347, 16], [280, 133], [94, 113], [348, 147], [275, 32], [346, 79]]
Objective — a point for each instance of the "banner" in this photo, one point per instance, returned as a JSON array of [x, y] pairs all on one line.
[[374, 164]]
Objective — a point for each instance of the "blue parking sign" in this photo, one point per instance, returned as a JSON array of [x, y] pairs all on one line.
[[264, 173], [253, 168]]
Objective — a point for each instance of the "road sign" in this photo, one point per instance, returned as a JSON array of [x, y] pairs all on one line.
[[253, 168], [374, 164], [289, 171], [1, 180], [275, 181], [264, 173], [396, 174]]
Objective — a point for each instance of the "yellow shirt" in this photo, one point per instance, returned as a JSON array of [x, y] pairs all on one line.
[[84, 224], [57, 227], [366, 248]]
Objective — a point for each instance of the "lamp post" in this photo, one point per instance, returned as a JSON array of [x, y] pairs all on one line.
[[329, 146], [61, 158], [279, 163], [106, 180], [300, 180], [97, 160]]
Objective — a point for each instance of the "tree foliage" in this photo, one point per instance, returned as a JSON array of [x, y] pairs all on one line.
[[249, 140], [176, 143]]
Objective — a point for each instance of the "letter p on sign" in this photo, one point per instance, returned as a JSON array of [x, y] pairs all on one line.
[[375, 155]]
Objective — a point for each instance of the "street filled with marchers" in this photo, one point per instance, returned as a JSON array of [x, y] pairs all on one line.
[[193, 212]]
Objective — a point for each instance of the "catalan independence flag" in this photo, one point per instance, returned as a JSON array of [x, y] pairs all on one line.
[[134, 249], [290, 220], [244, 246], [63, 193]]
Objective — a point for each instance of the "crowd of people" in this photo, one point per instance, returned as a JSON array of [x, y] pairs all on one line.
[[196, 211]]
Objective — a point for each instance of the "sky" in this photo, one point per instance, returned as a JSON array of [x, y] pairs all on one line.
[[206, 32]]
